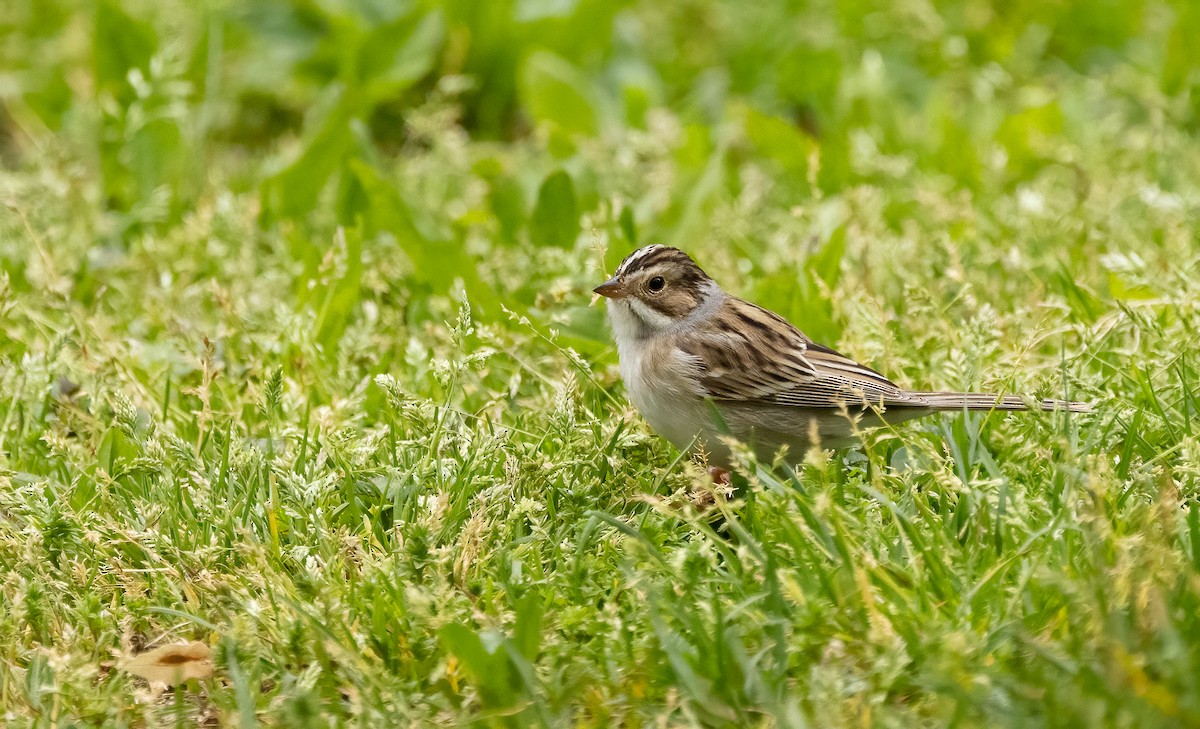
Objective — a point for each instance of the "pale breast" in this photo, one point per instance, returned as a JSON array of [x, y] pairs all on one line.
[[661, 383]]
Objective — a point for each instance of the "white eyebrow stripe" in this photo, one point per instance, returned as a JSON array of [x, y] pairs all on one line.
[[635, 256]]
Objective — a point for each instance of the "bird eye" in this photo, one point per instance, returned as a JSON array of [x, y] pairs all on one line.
[[657, 283]]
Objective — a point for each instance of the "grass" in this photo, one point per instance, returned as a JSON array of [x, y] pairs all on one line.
[[298, 359]]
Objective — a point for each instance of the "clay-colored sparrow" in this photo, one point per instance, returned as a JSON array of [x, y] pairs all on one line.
[[702, 366]]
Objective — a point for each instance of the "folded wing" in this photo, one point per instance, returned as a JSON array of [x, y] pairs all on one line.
[[748, 354]]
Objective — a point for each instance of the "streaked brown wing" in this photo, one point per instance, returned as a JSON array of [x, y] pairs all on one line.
[[748, 354]]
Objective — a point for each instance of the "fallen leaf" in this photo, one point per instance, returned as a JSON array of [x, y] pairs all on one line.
[[172, 664]]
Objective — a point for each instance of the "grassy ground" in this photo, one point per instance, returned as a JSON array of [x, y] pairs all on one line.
[[298, 359]]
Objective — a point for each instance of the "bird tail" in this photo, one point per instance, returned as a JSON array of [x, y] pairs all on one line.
[[981, 401]]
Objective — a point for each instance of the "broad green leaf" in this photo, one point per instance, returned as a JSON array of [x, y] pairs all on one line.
[[826, 263], [554, 91], [1120, 288], [1182, 62], [1027, 135], [952, 149], [507, 201], [834, 158], [555, 219], [691, 214], [628, 225], [465, 644], [115, 449], [489, 668], [780, 141], [527, 633], [1089, 33], [120, 43], [293, 191], [811, 77], [640, 87], [1193, 520], [48, 94], [397, 54], [804, 299], [156, 156]]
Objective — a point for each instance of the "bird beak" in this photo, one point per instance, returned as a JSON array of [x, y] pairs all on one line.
[[613, 288]]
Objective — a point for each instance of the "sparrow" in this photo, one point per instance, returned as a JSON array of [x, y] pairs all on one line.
[[704, 367]]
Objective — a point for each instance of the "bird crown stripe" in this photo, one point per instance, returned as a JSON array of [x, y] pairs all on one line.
[[650, 255], [637, 255]]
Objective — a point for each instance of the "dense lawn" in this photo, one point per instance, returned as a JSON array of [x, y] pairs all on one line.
[[299, 359]]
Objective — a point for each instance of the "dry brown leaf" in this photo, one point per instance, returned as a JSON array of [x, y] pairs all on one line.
[[172, 664]]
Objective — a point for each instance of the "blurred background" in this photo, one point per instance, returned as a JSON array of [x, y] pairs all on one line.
[[298, 359], [460, 129]]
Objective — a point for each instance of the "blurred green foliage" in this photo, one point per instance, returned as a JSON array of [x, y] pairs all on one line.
[[296, 356], [163, 93], [301, 99]]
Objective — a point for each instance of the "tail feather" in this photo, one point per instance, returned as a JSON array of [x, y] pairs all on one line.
[[984, 401]]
